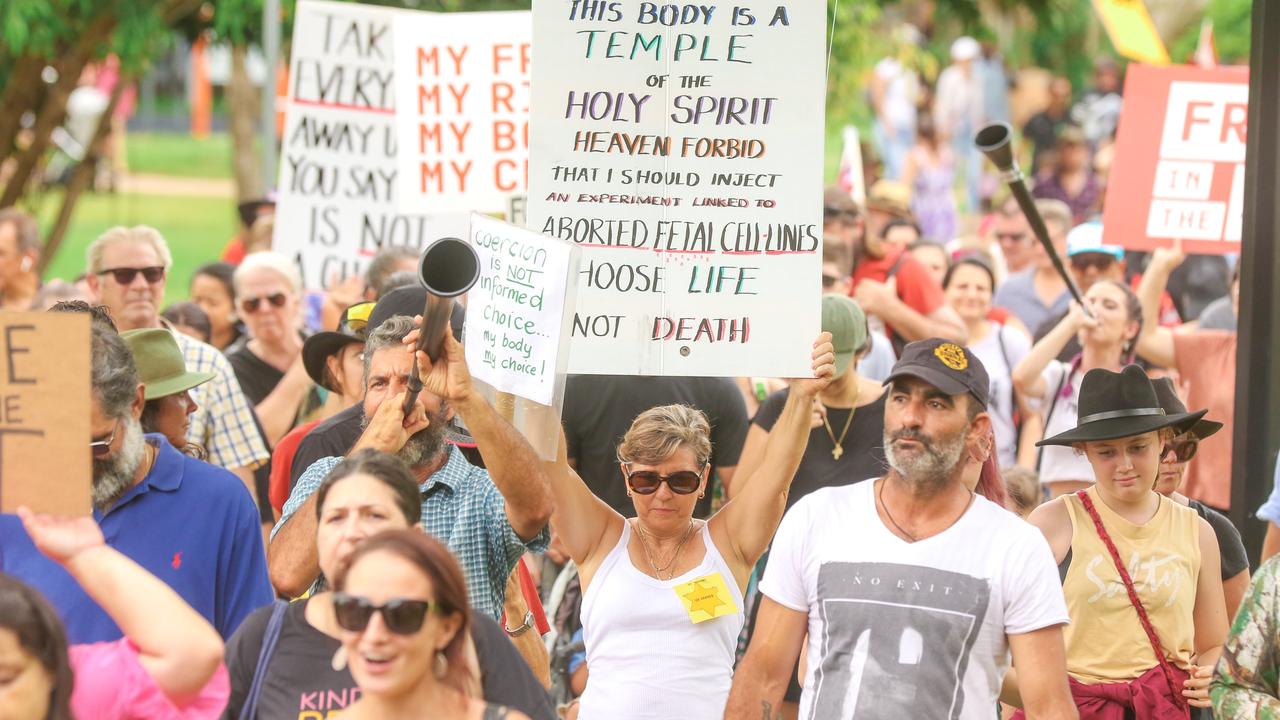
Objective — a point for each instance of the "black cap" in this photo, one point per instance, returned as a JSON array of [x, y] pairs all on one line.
[[410, 300], [945, 365]]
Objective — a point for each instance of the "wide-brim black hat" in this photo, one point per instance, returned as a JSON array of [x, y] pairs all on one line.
[[1172, 404], [1120, 404], [352, 330]]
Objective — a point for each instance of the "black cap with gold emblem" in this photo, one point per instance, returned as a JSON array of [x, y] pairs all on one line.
[[945, 365]]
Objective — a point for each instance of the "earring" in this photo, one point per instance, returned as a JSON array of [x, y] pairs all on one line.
[[339, 662], [441, 665]]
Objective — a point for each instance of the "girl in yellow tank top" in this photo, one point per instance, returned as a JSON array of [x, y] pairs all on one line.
[[1170, 555]]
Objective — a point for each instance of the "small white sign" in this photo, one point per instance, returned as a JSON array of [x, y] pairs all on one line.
[[516, 323]]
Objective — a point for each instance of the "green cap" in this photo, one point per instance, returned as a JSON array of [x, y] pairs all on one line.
[[847, 324], [160, 364]]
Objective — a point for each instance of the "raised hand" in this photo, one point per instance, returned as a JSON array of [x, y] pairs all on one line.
[[1168, 258], [824, 368], [447, 377], [61, 538], [1079, 319]]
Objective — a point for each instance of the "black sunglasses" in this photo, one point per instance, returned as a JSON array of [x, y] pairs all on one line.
[[646, 482], [1010, 237], [402, 617], [1101, 262], [125, 275], [250, 305], [829, 281], [1183, 450], [102, 448]]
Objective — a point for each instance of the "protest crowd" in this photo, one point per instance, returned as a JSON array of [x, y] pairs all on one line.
[[985, 500]]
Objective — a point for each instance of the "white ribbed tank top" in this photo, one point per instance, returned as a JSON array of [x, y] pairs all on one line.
[[647, 659]]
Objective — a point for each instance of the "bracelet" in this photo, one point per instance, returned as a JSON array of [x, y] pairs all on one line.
[[521, 629]]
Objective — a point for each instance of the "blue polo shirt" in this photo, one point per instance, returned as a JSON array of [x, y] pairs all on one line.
[[189, 523]]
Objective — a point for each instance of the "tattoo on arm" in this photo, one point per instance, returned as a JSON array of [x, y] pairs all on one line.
[[769, 713]]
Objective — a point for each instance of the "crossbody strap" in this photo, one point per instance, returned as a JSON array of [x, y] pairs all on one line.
[[1154, 638], [1053, 404], [249, 710]]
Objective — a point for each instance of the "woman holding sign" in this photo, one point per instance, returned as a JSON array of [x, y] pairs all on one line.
[[662, 593]]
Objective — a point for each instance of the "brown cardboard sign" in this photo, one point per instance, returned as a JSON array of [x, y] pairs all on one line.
[[45, 460]]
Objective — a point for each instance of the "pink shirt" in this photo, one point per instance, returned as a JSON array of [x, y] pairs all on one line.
[[111, 684]]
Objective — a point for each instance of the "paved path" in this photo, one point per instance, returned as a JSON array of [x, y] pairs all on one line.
[[167, 185]]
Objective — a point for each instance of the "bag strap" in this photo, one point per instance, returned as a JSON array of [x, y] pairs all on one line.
[[1053, 404], [1154, 638], [249, 710]]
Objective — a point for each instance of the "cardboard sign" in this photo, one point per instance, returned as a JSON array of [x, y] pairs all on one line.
[[517, 327], [336, 201], [44, 413], [1132, 31], [462, 119], [1178, 170], [683, 153]]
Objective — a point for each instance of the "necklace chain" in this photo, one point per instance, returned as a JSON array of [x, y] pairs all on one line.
[[657, 571], [838, 444], [909, 535]]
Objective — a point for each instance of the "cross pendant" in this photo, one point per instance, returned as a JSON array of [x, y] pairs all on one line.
[[836, 452]]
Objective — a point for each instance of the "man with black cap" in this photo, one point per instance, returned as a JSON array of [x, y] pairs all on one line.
[[911, 588], [488, 518]]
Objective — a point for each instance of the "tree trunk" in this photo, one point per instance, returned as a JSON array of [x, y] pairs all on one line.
[[81, 177], [54, 109], [21, 93], [242, 107]]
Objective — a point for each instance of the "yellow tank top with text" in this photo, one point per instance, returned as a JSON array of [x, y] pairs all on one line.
[[1105, 640]]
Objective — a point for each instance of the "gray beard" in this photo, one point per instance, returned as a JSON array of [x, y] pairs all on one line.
[[424, 445], [929, 469], [114, 476]]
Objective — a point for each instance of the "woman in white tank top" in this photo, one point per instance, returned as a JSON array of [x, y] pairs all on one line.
[[662, 593]]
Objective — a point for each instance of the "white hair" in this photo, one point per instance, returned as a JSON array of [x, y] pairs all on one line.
[[138, 234], [267, 260]]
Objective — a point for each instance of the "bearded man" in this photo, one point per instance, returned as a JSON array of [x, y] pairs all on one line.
[[189, 523], [488, 518], [911, 589]]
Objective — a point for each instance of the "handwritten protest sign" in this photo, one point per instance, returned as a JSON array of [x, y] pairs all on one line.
[[1178, 170], [516, 321], [44, 412], [683, 153], [462, 98], [336, 200]]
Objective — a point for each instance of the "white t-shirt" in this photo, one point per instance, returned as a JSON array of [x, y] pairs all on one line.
[[921, 627], [1000, 362], [1060, 462]]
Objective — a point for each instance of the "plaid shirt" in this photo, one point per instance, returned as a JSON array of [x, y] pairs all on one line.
[[463, 509], [224, 423]]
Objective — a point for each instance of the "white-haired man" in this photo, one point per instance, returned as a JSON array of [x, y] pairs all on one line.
[[126, 270]]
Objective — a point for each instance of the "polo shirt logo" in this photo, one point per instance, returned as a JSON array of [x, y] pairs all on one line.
[[177, 560]]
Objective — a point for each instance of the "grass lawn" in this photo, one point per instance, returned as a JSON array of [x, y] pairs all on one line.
[[196, 228], [179, 154]]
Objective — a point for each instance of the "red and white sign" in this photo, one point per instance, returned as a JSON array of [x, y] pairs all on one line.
[[1178, 170]]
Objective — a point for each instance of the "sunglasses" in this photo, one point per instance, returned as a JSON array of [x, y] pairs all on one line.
[[252, 305], [1183, 450], [1010, 237], [125, 276], [829, 281], [356, 318], [1100, 262], [646, 482], [402, 617], [102, 448]]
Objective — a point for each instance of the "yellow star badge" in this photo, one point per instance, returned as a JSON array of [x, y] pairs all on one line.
[[706, 598]]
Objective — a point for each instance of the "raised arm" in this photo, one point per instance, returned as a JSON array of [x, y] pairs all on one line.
[[279, 409], [581, 520], [512, 463], [1026, 375], [881, 299], [1155, 345], [750, 519], [177, 647]]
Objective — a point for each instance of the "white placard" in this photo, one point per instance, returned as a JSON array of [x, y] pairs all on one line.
[[462, 95], [516, 323], [680, 146], [336, 198]]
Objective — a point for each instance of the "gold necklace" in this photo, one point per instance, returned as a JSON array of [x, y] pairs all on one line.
[[838, 450], [657, 571]]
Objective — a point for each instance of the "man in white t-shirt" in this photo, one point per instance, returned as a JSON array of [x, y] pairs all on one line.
[[912, 590]]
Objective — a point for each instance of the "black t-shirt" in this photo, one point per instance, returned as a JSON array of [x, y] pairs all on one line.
[[300, 678], [863, 456], [1042, 130], [598, 410], [331, 438], [1234, 558]]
